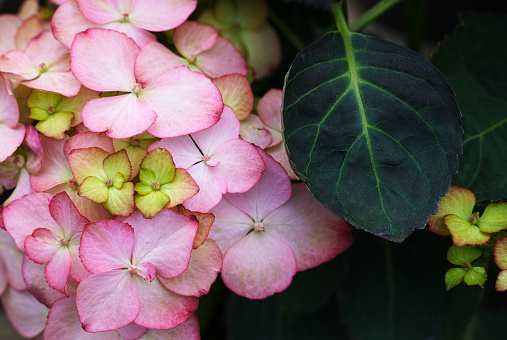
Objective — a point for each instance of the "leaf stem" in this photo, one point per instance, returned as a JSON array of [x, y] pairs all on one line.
[[373, 13], [339, 17], [286, 31]]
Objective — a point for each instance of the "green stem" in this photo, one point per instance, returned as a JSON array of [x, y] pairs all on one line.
[[339, 17], [286, 31], [373, 13]]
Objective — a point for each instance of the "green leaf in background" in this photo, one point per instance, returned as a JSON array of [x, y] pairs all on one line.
[[373, 130], [473, 60]]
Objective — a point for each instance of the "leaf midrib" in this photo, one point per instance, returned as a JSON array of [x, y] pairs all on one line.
[[354, 80]]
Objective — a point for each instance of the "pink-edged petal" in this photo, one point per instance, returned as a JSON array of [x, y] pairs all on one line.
[[9, 25], [241, 166], [253, 131], [155, 59], [222, 59], [87, 162], [236, 93], [9, 111], [10, 139], [18, 63], [121, 116], [165, 240], [68, 21], [270, 192], [182, 149], [45, 49], [168, 14], [315, 234], [104, 11], [107, 301], [205, 222], [192, 38], [211, 188], [258, 266], [160, 308], [35, 155], [12, 258], [132, 331], [185, 102], [279, 153], [180, 189], [65, 213], [55, 168], [146, 271], [63, 83], [42, 245], [58, 269], [23, 216], [88, 140], [63, 323], [139, 35], [77, 270], [226, 129], [27, 315], [231, 224], [36, 283], [103, 60], [22, 188], [202, 271], [106, 245], [31, 28], [269, 109], [189, 330]]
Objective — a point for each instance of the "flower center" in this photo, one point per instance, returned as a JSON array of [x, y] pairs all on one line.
[[72, 184], [475, 218], [155, 185], [133, 270], [210, 162], [43, 67], [19, 161], [51, 110], [124, 17], [258, 226], [134, 142], [109, 183], [63, 242], [136, 88]]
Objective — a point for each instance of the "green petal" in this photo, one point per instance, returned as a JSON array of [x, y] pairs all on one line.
[[44, 100], [143, 189], [453, 277], [117, 162], [121, 202], [147, 176], [152, 203], [181, 188], [56, 124], [494, 218], [475, 276], [94, 189], [118, 180], [459, 255], [88, 162], [463, 232], [501, 281], [76, 103], [38, 114], [161, 163]]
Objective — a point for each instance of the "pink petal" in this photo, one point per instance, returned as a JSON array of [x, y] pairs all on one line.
[[35, 278], [104, 11], [121, 116], [26, 314], [185, 102], [88, 140], [31, 28], [182, 149], [189, 330], [107, 301], [10, 139], [12, 258], [35, 155], [270, 192], [258, 266], [160, 308], [9, 25], [18, 63], [168, 14], [66, 215], [55, 168], [269, 109], [45, 49], [139, 35], [22, 188], [226, 129], [58, 269], [23, 216], [202, 271], [231, 224], [63, 83], [4, 283], [315, 234], [222, 59], [132, 331], [92, 211], [211, 188], [68, 21], [42, 245], [165, 240], [77, 270], [279, 153], [192, 38], [63, 323], [106, 245], [103, 60], [253, 131], [155, 59], [237, 93], [241, 166], [9, 111]]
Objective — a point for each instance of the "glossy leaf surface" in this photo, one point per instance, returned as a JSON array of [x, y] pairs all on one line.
[[373, 130]]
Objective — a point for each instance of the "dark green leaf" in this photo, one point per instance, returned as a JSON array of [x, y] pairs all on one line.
[[374, 131], [473, 59]]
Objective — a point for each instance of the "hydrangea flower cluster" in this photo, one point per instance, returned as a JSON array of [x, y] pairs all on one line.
[[139, 172]]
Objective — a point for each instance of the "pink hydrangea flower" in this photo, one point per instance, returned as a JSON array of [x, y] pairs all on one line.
[[11, 131], [272, 231]]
